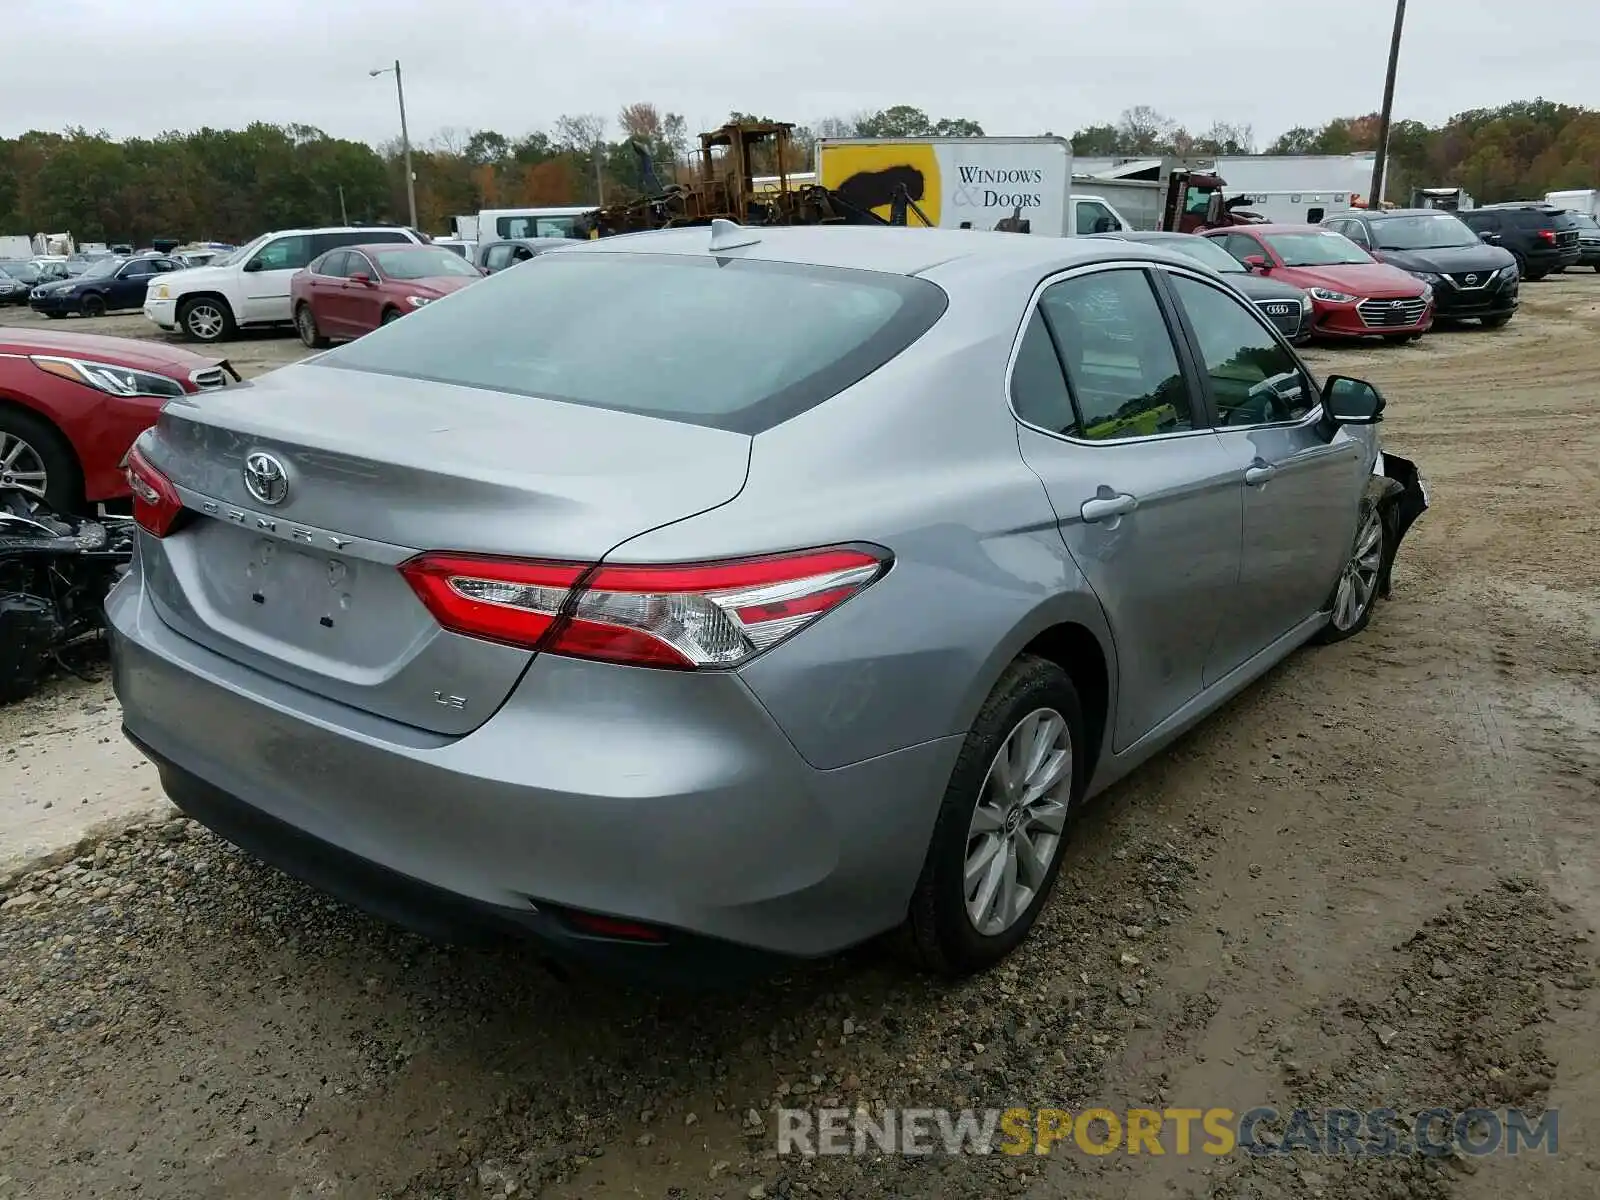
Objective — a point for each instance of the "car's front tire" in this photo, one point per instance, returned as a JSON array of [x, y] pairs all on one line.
[[30, 447], [1355, 594], [997, 843], [206, 319]]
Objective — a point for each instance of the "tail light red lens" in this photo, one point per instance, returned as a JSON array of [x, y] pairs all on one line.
[[155, 501], [1547, 235], [690, 617]]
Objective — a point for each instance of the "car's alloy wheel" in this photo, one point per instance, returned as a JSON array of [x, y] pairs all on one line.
[[1358, 585], [996, 845], [1017, 822], [23, 467], [305, 322], [204, 321]]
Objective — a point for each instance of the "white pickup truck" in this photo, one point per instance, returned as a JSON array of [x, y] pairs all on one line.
[[250, 287]]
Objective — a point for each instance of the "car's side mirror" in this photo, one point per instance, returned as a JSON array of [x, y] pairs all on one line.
[[1214, 209], [1106, 225], [255, 264], [1492, 238], [1257, 262], [1347, 401]]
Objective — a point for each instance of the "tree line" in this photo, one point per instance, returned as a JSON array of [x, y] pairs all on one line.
[[228, 185]]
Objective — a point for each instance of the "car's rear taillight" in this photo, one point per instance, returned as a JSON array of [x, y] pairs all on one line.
[[689, 617], [1547, 235], [155, 501]]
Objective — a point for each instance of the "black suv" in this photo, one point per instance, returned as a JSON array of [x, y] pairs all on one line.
[[1469, 279], [1544, 238]]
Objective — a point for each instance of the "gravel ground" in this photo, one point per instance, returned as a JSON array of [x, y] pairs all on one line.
[[1370, 881]]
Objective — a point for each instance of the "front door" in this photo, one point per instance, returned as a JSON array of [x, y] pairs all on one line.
[[1141, 486], [128, 288], [265, 278], [1301, 489]]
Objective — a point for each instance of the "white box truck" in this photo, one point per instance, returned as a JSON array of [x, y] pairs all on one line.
[[1018, 184], [1584, 200]]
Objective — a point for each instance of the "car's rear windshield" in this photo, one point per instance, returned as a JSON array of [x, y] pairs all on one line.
[[734, 344]]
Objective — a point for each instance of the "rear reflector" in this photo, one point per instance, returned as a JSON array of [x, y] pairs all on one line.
[[155, 501], [595, 925], [690, 617]]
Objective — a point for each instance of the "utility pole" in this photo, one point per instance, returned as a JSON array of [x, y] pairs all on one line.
[[344, 217], [405, 137], [599, 178], [1380, 161]]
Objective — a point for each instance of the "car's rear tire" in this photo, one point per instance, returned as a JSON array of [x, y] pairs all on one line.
[[206, 319], [1496, 321], [1355, 594], [94, 306], [305, 324], [1021, 833], [28, 445]]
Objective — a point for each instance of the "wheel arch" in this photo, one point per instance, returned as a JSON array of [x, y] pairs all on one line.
[[11, 401], [1070, 630], [208, 294]]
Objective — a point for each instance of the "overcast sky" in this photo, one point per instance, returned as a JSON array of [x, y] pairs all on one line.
[[138, 67]]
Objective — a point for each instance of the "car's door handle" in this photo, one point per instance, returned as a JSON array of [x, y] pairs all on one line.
[[1257, 475], [1103, 507]]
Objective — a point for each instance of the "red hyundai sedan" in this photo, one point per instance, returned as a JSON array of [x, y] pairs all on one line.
[[1352, 293], [72, 403], [354, 289]]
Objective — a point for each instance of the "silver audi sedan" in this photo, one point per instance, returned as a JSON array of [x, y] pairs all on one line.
[[692, 601]]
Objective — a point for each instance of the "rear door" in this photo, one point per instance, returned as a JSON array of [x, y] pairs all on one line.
[[329, 299], [1145, 497], [1300, 490], [265, 278]]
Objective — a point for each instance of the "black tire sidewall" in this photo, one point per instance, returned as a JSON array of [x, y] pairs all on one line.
[[940, 928], [93, 305], [64, 486], [302, 317], [390, 316]]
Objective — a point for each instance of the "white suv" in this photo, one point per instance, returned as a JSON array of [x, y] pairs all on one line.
[[250, 288]]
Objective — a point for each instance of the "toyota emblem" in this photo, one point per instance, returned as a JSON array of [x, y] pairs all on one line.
[[265, 478]]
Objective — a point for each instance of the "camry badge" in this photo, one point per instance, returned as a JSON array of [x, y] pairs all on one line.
[[265, 478]]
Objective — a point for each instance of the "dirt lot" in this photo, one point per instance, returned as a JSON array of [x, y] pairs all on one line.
[[1371, 881]]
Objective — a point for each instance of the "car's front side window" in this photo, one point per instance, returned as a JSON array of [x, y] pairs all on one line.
[[284, 254], [1120, 362], [1254, 377]]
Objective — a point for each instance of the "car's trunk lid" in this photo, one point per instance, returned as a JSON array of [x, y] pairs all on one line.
[[378, 469]]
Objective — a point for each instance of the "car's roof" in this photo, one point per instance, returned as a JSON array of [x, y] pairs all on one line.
[[1390, 212], [1146, 235], [385, 247], [897, 251]]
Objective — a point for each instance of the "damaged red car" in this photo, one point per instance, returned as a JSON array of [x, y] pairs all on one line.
[[71, 405]]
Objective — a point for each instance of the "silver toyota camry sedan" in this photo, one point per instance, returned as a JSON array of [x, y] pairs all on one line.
[[697, 600]]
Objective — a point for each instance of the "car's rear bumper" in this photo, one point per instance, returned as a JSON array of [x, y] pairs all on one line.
[[657, 797]]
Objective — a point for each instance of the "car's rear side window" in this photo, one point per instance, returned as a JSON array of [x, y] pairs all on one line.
[[736, 344]]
